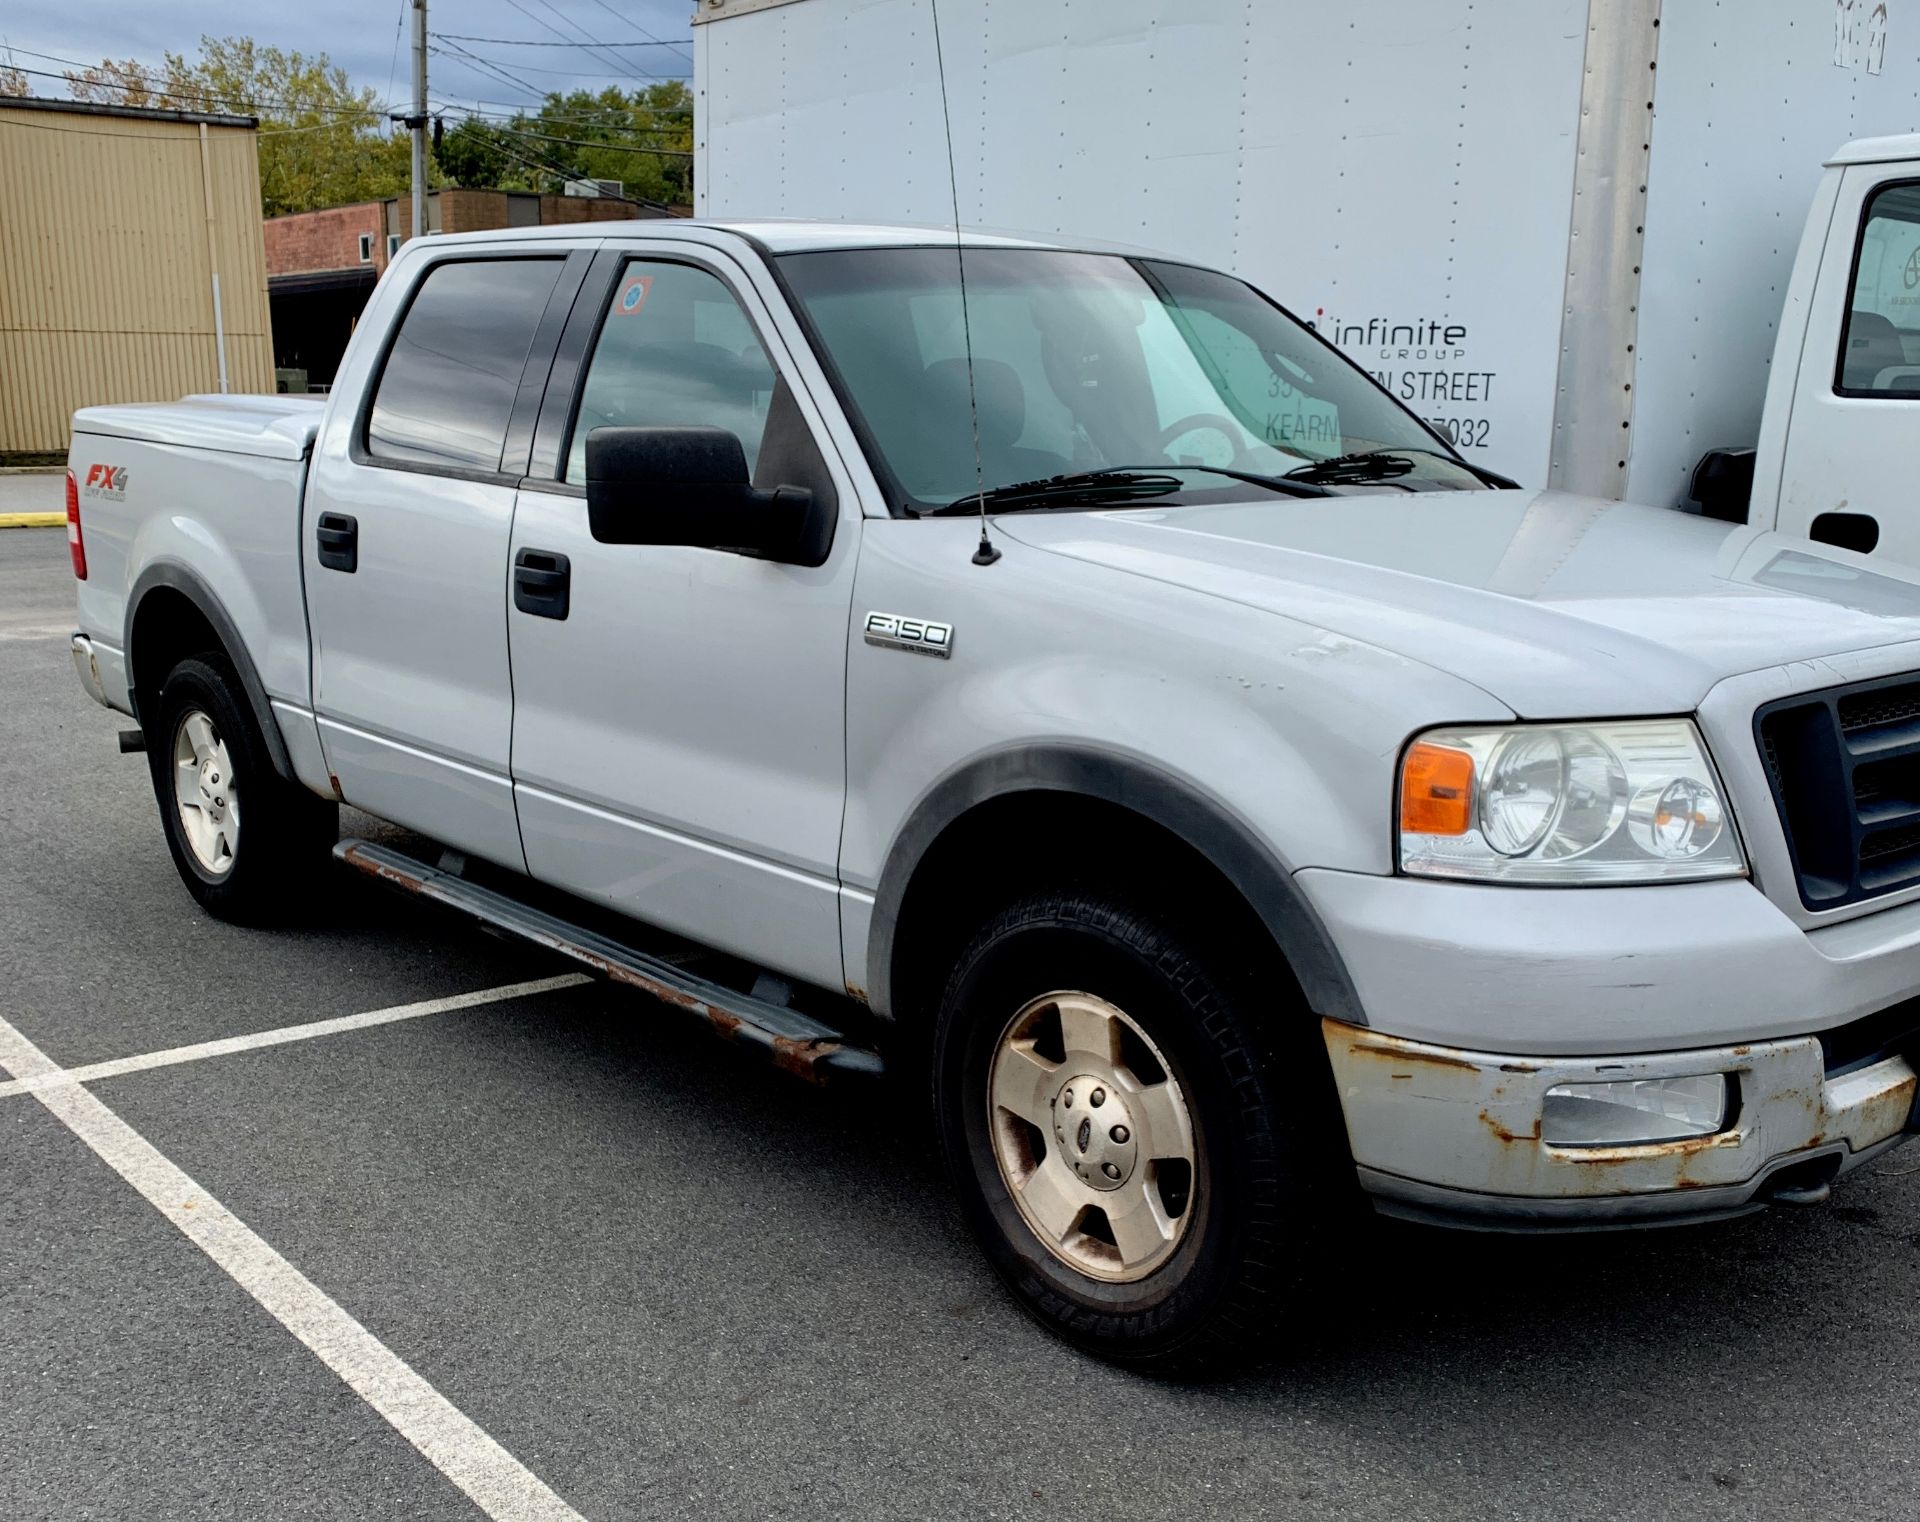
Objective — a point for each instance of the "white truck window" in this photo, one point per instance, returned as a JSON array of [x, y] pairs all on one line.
[[449, 382], [1880, 348], [675, 349]]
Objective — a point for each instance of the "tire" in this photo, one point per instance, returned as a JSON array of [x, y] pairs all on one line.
[[1210, 1279], [248, 844]]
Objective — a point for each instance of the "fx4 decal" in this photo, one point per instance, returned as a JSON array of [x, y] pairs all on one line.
[[106, 481]]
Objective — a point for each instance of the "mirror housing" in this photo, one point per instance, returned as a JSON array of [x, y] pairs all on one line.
[[690, 486]]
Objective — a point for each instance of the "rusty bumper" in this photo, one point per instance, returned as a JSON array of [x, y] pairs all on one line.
[[1440, 1133]]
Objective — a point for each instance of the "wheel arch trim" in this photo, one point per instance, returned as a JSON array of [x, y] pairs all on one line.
[[175, 576], [1207, 825]]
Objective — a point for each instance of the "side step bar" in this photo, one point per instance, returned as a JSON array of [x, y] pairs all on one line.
[[793, 1041]]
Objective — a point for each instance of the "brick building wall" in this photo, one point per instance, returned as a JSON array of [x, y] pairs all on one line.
[[309, 241]]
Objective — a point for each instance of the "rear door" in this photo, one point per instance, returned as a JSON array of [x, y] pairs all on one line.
[[679, 714], [406, 534]]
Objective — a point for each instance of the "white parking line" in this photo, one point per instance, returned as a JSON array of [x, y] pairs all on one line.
[[227, 1045], [497, 1482]]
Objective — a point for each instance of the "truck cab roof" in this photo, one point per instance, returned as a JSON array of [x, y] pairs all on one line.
[[779, 235], [1878, 150]]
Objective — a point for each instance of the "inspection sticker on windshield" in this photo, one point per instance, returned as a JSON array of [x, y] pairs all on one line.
[[633, 295]]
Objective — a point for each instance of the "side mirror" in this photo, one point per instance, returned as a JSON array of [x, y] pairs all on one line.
[[689, 486]]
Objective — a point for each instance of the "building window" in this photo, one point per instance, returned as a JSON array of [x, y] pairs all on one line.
[[366, 248], [393, 244]]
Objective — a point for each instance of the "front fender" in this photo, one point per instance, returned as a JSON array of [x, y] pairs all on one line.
[[1133, 783]]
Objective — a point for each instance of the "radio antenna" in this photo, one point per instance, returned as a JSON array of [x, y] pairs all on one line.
[[986, 554]]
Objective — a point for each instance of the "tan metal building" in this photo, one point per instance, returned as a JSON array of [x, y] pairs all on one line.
[[131, 262]]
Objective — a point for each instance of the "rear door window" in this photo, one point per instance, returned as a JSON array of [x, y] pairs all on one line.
[[450, 379], [1880, 346]]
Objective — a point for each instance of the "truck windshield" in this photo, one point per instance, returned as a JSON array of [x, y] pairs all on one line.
[[1088, 363]]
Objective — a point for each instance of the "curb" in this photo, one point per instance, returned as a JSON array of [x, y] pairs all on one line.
[[32, 520]]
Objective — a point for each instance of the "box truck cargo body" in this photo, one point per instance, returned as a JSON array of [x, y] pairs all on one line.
[[1561, 230]]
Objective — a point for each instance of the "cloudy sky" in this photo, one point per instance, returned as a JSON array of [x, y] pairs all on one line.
[[614, 40]]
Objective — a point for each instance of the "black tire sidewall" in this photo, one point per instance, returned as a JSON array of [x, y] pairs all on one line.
[[206, 683], [1147, 972]]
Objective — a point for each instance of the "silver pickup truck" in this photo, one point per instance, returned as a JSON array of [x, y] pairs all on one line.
[[1077, 683]]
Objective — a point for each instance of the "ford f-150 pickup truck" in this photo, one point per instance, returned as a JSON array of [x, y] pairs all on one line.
[[1058, 670]]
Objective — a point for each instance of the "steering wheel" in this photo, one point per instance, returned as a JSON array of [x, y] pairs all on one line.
[[1213, 422]]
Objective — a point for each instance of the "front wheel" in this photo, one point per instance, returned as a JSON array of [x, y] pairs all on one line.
[[1111, 1110], [245, 840]]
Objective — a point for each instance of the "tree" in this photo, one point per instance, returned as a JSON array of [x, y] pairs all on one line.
[[12, 81], [642, 138], [322, 142]]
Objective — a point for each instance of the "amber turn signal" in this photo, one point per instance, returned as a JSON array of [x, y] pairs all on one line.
[[1436, 791]]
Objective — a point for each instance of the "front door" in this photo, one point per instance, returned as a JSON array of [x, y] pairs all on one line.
[[1848, 476], [405, 537], [678, 726]]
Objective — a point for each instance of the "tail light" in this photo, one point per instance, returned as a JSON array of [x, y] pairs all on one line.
[[76, 546]]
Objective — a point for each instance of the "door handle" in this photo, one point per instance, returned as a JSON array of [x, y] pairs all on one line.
[[542, 580], [338, 538]]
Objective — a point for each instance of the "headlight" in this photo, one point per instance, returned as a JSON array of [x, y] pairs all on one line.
[[1635, 802]]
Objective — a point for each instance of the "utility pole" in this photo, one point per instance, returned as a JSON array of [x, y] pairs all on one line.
[[418, 120]]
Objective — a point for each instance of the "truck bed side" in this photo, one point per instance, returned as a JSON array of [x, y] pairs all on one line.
[[198, 499]]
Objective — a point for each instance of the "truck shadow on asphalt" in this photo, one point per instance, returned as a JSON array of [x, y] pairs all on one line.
[[1647, 1324]]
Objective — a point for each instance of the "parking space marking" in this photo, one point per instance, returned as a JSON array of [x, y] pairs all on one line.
[[496, 1482], [227, 1045]]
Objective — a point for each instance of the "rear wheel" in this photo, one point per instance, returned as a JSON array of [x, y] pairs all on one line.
[[246, 841], [1151, 1171]]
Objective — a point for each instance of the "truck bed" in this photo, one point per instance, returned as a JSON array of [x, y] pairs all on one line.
[[207, 488]]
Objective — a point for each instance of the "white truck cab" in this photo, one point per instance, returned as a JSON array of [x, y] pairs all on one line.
[[1057, 674], [1834, 460]]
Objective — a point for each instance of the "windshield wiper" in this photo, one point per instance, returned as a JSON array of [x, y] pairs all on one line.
[[1387, 464], [1113, 484], [1051, 491]]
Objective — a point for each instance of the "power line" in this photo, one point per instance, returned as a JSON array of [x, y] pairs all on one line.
[[475, 64], [631, 132], [599, 47], [119, 76], [541, 42], [393, 63], [678, 45], [563, 177], [527, 68], [512, 111], [581, 142]]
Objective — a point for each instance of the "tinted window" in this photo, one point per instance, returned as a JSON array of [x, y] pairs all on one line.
[[675, 350], [451, 375], [1880, 349]]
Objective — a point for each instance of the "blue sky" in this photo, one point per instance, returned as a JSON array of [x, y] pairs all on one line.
[[360, 36]]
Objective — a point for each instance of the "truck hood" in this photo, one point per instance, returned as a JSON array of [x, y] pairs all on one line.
[[1559, 606]]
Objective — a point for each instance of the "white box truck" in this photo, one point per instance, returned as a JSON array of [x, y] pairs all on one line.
[[1563, 231]]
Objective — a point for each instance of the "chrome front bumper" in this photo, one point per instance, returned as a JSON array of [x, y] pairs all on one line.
[[1444, 1134]]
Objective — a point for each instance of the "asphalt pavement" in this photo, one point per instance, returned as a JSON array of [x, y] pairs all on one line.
[[671, 1283]]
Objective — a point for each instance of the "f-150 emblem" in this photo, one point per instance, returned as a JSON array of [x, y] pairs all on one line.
[[920, 635]]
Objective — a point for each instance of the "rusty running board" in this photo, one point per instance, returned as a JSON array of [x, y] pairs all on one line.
[[792, 1041]]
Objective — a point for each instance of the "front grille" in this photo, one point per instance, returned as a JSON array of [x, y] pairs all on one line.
[[1845, 769]]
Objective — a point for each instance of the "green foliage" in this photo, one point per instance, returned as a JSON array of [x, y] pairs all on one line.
[[322, 142], [642, 138]]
